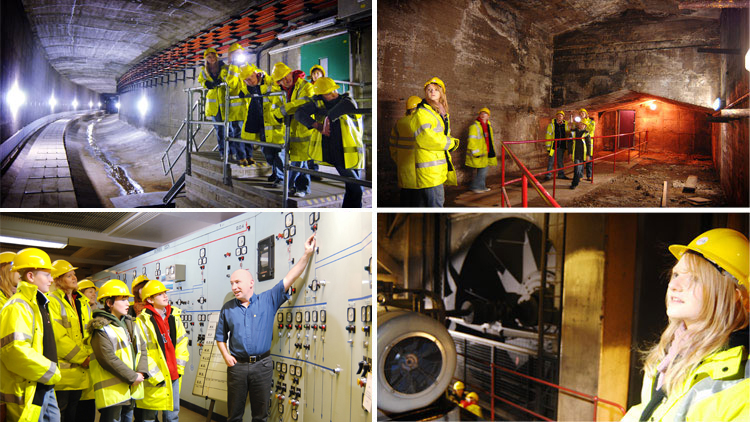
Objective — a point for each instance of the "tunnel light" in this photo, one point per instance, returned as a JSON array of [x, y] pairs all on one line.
[[652, 106], [717, 103], [38, 241], [15, 98], [307, 29], [143, 105], [99, 104], [75, 104], [118, 105], [747, 60], [52, 103], [91, 104]]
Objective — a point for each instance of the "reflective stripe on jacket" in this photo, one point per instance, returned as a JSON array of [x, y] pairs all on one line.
[[717, 390], [71, 350], [434, 165], [214, 96], [158, 386], [274, 130], [22, 363], [477, 155], [403, 152], [237, 105], [110, 389], [299, 135], [590, 127], [551, 146]]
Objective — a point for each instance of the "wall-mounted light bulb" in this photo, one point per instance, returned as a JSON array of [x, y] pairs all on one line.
[[117, 105], [143, 106], [15, 98], [717, 103], [52, 102], [75, 104], [652, 106]]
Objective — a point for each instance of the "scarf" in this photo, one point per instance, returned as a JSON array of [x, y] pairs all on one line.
[[163, 327], [681, 337]]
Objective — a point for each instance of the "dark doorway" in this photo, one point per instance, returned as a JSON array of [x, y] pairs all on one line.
[[627, 125]]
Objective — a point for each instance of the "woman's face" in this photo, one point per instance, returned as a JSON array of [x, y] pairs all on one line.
[[90, 293], [483, 116], [120, 306], [684, 295], [433, 92], [211, 58], [69, 281], [316, 74]]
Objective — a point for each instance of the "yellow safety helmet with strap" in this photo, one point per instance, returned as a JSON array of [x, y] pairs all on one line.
[[209, 51], [324, 86], [725, 248], [32, 258], [153, 287], [61, 267], [235, 47], [113, 288], [318, 67], [560, 112], [412, 102], [138, 280], [280, 70], [436, 81], [86, 284], [583, 110], [484, 110], [472, 396], [459, 386], [7, 257]]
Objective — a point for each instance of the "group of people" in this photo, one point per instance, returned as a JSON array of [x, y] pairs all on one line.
[[68, 351], [581, 150], [323, 125]]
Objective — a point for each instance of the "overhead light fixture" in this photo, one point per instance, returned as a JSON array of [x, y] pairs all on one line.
[[652, 106], [302, 30], [39, 241]]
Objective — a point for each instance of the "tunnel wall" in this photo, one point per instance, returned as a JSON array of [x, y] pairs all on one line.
[[23, 60], [168, 102], [730, 139], [639, 53], [487, 55]]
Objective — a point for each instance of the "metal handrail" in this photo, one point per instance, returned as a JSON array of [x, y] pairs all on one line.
[[527, 175], [166, 151]]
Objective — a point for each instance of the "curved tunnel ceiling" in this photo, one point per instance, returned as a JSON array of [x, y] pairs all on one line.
[[93, 42]]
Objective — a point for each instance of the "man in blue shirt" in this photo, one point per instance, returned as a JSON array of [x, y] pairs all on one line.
[[248, 322]]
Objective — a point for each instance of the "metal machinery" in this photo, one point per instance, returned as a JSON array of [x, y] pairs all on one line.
[[321, 340], [494, 305]]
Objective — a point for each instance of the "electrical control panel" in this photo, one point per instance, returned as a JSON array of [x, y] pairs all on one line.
[[322, 343]]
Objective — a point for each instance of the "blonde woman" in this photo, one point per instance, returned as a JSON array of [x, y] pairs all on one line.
[[8, 279], [698, 371], [432, 133]]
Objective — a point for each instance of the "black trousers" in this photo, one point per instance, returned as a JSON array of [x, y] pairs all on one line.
[[253, 379], [67, 401]]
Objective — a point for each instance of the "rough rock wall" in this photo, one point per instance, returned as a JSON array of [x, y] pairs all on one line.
[[487, 55], [730, 139], [642, 53]]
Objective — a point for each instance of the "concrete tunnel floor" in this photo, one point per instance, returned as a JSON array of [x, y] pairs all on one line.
[[635, 184]]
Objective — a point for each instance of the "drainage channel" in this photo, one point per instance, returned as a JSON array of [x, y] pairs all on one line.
[[127, 185]]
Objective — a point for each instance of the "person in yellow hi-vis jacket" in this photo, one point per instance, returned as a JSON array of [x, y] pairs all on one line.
[[28, 357], [212, 74], [260, 125], [160, 327], [119, 361], [70, 313], [590, 127], [237, 106], [402, 147], [699, 370], [432, 133], [337, 136], [298, 91], [8, 279], [556, 129], [480, 150]]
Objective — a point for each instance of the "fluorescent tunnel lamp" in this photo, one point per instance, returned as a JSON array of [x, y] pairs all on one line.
[[48, 242], [307, 29]]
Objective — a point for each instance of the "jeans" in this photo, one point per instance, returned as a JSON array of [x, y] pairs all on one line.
[[167, 415], [589, 167], [122, 413], [433, 197], [560, 156], [577, 172], [219, 132], [253, 379], [273, 158], [237, 148], [50, 411], [478, 183], [353, 194], [299, 181], [67, 401]]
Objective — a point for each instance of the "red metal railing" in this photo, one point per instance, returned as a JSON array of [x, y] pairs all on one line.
[[594, 399], [543, 193]]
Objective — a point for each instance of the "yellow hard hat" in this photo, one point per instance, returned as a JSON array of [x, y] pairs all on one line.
[[87, 284], [583, 110], [32, 258], [324, 86], [280, 70], [6, 257], [61, 267], [437, 81], [209, 50], [725, 248], [113, 288], [412, 102], [153, 287], [560, 112], [472, 396], [138, 280], [319, 67], [235, 47], [458, 385], [485, 110], [248, 70]]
